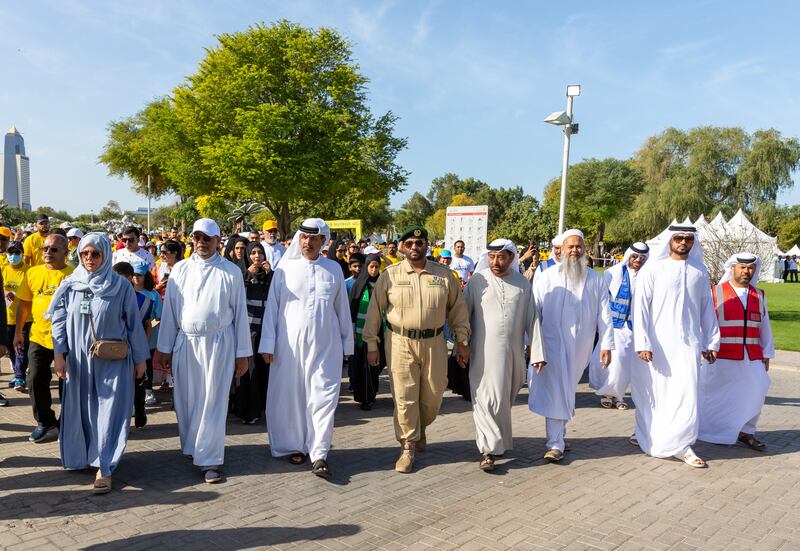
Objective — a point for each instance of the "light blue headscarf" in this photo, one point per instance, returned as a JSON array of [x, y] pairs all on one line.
[[101, 283]]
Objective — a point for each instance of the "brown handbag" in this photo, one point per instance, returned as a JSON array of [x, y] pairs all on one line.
[[107, 349]]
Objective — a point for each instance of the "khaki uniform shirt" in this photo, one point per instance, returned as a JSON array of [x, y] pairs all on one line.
[[413, 300]]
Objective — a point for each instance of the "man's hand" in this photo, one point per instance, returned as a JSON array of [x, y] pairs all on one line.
[[60, 366], [646, 355], [267, 358], [162, 361], [766, 364], [374, 358], [538, 366], [710, 356], [140, 369], [18, 341], [462, 354], [242, 365], [605, 358]]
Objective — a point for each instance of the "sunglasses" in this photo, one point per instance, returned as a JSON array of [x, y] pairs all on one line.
[[91, 254], [686, 238], [201, 237], [417, 243], [51, 249], [637, 257], [130, 239]]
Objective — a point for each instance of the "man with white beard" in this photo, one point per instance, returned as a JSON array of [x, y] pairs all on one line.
[[306, 334], [572, 302], [675, 326], [733, 389], [272, 248], [612, 382]]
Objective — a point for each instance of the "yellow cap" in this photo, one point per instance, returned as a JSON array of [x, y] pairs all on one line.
[[270, 225], [5, 232]]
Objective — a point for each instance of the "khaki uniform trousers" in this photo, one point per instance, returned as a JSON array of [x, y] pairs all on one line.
[[418, 377]]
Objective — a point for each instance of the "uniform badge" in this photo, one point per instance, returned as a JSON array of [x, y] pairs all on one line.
[[436, 281], [417, 233]]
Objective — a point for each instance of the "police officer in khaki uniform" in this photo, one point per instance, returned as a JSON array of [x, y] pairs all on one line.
[[415, 296]]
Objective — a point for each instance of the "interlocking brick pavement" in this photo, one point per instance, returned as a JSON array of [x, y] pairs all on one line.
[[604, 495]]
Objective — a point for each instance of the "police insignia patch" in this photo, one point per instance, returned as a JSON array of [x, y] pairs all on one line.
[[436, 280]]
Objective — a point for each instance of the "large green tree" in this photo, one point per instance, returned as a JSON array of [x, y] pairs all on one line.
[[414, 212], [277, 114]]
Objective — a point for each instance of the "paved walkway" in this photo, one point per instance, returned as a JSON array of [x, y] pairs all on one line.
[[605, 495]]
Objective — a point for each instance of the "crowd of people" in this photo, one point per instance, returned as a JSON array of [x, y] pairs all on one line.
[[263, 329]]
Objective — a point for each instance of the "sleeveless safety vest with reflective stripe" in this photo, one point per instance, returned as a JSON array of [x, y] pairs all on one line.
[[738, 328]]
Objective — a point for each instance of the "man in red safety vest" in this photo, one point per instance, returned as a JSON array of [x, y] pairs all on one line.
[[732, 390]]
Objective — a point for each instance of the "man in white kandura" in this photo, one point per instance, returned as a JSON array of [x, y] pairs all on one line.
[[675, 326], [611, 383], [307, 332], [572, 302], [504, 320], [203, 332], [733, 389]]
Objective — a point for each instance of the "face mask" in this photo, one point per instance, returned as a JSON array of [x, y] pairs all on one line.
[[14, 258]]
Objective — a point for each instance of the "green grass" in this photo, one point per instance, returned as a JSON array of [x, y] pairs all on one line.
[[783, 302]]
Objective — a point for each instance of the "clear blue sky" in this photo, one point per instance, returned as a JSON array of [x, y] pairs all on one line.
[[470, 80]]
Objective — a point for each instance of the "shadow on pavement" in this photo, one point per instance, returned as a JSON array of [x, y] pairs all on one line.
[[228, 539]]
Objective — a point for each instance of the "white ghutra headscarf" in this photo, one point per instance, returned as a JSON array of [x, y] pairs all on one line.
[[309, 226], [741, 258], [498, 245]]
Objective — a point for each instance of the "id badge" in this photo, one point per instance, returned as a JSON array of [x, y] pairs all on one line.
[[84, 306]]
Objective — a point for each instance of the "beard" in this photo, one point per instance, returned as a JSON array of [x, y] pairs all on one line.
[[573, 269]]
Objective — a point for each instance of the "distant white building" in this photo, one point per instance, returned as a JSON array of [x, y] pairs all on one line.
[[15, 173]]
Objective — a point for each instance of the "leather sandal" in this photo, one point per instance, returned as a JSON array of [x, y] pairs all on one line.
[[553, 455], [102, 485], [487, 463], [751, 442]]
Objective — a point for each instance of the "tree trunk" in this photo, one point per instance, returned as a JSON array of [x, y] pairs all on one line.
[[598, 238], [284, 221]]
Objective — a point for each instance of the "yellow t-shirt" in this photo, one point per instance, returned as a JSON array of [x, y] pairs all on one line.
[[37, 286], [32, 249], [12, 277]]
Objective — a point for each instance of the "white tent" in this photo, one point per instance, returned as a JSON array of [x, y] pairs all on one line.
[[794, 251]]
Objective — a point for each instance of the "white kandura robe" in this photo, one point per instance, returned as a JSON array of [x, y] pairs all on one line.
[[569, 320], [503, 319], [204, 325], [732, 392], [675, 320], [615, 379], [307, 329]]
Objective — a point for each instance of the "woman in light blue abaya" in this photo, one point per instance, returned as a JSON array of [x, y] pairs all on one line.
[[98, 394]]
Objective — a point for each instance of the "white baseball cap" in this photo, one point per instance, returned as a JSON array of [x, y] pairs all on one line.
[[75, 232], [206, 226]]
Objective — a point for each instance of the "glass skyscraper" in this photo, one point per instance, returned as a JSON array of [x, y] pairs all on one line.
[[15, 175]]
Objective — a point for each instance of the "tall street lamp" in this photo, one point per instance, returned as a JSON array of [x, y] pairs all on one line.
[[564, 118]]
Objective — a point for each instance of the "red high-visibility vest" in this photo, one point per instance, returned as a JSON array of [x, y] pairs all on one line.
[[739, 328]]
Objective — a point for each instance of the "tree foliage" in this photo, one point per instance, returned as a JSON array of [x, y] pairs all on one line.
[[278, 115]]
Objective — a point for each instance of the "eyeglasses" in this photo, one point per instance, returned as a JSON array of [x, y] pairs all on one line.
[[201, 237], [686, 238], [635, 256], [91, 254], [51, 249], [130, 239], [417, 243]]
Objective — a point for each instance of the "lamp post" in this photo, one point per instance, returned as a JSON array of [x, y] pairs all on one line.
[[148, 206], [564, 118]]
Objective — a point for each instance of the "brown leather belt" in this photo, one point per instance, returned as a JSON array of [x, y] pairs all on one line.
[[417, 333]]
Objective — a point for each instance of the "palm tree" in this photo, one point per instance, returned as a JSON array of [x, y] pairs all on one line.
[[240, 215]]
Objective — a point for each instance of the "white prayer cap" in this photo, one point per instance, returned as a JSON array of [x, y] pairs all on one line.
[[570, 233], [75, 232], [741, 258], [372, 249], [557, 241], [309, 226], [498, 245], [206, 226]]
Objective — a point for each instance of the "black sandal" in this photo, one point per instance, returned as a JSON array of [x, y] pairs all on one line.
[[750, 441], [297, 458], [320, 468], [487, 463]]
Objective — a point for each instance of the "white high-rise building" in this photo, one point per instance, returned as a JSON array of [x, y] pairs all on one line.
[[15, 173]]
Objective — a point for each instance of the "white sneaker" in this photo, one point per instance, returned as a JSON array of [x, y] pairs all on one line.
[[150, 398]]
